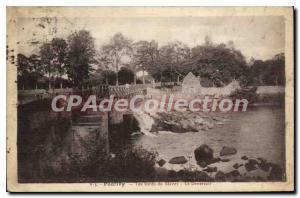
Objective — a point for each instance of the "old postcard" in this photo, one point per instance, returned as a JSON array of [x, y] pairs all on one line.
[[150, 99]]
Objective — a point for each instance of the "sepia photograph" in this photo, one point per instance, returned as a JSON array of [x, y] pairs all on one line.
[[150, 99]]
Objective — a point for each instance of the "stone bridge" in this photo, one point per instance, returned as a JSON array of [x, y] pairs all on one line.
[[101, 91], [87, 125]]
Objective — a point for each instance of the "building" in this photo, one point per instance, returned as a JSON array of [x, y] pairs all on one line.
[[191, 84]]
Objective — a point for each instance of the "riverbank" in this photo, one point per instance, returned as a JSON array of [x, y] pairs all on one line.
[[253, 134], [226, 166]]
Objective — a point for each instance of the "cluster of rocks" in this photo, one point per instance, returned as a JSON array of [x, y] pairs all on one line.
[[225, 167], [180, 122]]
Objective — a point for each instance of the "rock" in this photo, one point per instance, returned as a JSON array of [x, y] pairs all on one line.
[[204, 154], [204, 128], [178, 160], [225, 160], [260, 159], [184, 124], [234, 173], [161, 162], [276, 173], [264, 165], [161, 172], [228, 151], [198, 120], [244, 157], [172, 175], [237, 165], [202, 164], [186, 175], [251, 165], [202, 176], [220, 176], [210, 125], [210, 169], [217, 118], [214, 160]]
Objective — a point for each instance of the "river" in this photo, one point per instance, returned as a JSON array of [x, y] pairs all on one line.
[[42, 140], [258, 132]]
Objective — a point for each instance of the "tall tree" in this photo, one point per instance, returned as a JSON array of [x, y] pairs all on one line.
[[22, 68], [218, 63], [105, 64], [268, 72], [145, 56], [35, 68], [172, 56], [116, 50], [59, 48], [47, 57], [81, 56]]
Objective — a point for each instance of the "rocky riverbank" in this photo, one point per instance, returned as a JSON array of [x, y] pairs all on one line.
[[225, 163], [225, 166], [181, 122]]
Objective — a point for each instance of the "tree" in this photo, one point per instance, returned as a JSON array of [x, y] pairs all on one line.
[[126, 76], [144, 56], [172, 56], [116, 50], [47, 57], [22, 66], [268, 72], [81, 57], [59, 50], [35, 69], [105, 64], [218, 63], [29, 71]]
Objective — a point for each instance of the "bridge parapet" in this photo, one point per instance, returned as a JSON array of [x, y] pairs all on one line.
[[27, 96], [128, 90], [101, 91]]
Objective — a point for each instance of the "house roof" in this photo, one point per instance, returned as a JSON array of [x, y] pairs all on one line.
[[190, 79]]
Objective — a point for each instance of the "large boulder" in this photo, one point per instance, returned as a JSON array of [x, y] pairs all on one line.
[[204, 154], [244, 157], [234, 173], [276, 173], [228, 151], [251, 165], [263, 164], [161, 162], [202, 176], [178, 160], [220, 176]]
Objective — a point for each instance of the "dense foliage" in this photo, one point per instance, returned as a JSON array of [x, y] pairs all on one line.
[[76, 62]]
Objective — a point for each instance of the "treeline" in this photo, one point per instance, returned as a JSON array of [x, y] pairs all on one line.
[[75, 62]]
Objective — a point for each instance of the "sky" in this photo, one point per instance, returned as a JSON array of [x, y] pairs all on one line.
[[260, 37]]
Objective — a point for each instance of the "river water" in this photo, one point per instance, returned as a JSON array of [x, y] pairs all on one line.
[[259, 132]]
